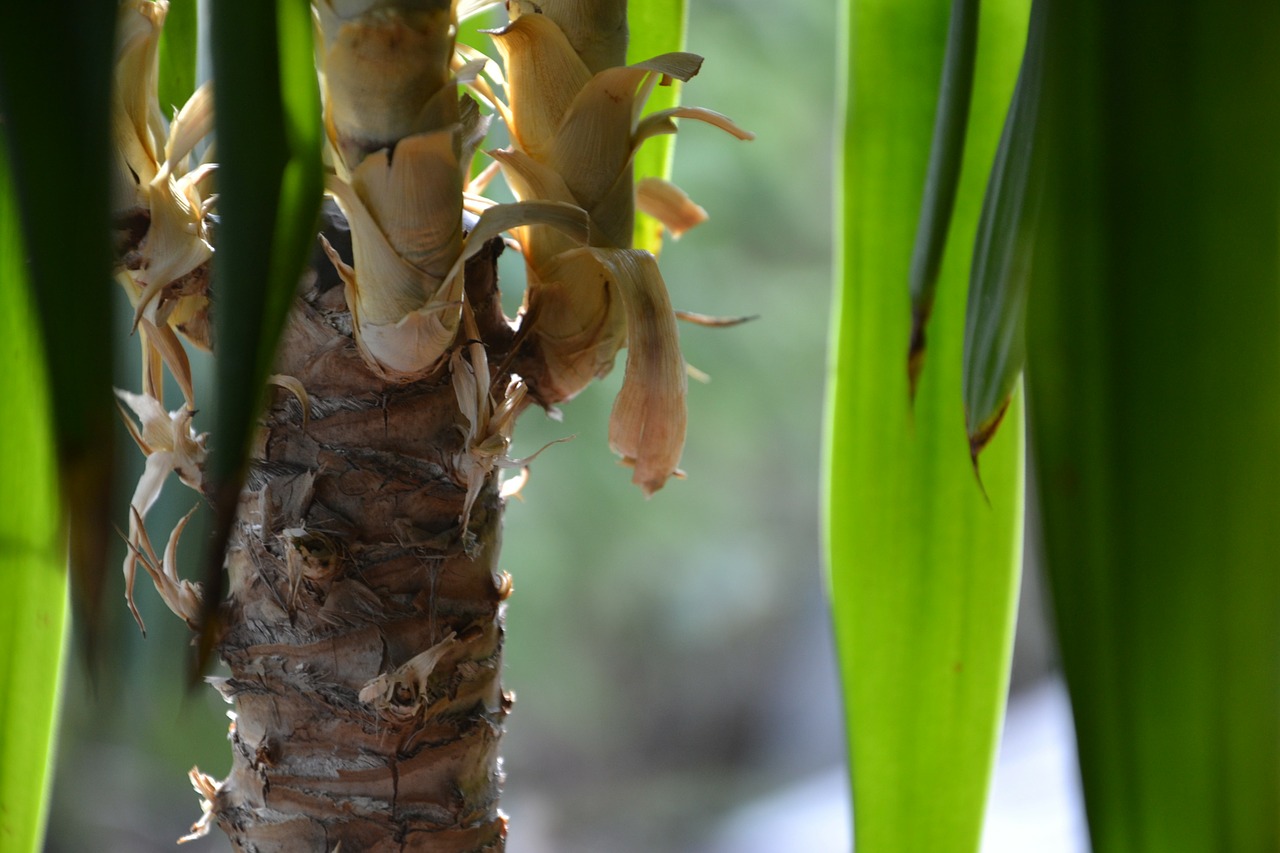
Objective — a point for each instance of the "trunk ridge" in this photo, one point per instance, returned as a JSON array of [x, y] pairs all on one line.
[[364, 626]]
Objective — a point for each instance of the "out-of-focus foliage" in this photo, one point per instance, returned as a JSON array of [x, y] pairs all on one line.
[[32, 552], [1153, 353]]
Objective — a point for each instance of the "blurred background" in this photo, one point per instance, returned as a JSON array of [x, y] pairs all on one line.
[[671, 659]]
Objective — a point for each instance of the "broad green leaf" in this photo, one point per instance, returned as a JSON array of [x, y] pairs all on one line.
[[657, 27], [995, 348], [178, 41], [923, 569], [32, 552], [946, 156], [1154, 368], [270, 180], [55, 74]]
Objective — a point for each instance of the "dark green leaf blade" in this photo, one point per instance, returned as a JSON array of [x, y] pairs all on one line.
[[1154, 369], [946, 156], [924, 571], [178, 42], [32, 555], [995, 349], [270, 182], [55, 74]]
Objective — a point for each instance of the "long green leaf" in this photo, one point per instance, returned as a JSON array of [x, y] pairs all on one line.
[[1154, 370], [657, 27], [946, 156], [55, 75], [924, 571], [995, 347], [270, 181], [32, 555], [178, 41]]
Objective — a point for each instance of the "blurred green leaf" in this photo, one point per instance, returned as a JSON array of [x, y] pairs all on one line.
[[55, 76], [270, 181], [946, 156], [32, 551], [1154, 367], [178, 42], [924, 571], [657, 27], [995, 347]]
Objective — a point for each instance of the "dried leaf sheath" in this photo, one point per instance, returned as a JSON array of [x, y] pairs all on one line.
[[347, 564], [576, 130]]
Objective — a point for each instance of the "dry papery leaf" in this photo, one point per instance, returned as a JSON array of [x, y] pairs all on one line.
[[170, 445], [577, 126]]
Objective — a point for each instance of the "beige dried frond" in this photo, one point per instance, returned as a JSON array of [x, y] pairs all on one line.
[[596, 29], [171, 445], [163, 278], [181, 596], [544, 74], [402, 692], [405, 316], [207, 787], [137, 125], [670, 205], [577, 126], [647, 425], [487, 436], [385, 73], [177, 240], [404, 145]]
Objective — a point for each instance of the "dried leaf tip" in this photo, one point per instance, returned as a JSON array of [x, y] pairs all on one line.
[[647, 426], [403, 690], [171, 445], [207, 787]]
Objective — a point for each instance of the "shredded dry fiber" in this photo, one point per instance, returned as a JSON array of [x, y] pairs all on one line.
[[364, 628]]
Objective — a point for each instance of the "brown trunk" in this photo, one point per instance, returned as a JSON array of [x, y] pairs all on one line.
[[347, 564]]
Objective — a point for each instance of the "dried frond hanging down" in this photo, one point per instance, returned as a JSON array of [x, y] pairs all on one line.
[[576, 113], [171, 445], [159, 202]]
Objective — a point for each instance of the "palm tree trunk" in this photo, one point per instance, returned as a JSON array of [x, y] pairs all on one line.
[[364, 625]]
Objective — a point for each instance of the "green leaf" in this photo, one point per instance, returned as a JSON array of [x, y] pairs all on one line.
[[55, 74], [32, 555], [923, 569], [178, 41], [995, 348], [270, 180], [1154, 365], [657, 27], [946, 156]]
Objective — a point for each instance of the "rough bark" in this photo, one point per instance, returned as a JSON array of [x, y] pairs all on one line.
[[346, 565]]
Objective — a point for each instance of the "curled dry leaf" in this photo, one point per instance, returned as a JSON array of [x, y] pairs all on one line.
[[137, 125], [207, 787], [487, 436], [177, 241], [647, 425], [403, 691], [181, 596], [669, 204], [577, 126], [170, 445], [165, 273]]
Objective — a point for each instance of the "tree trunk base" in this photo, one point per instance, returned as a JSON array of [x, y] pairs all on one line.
[[363, 624]]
